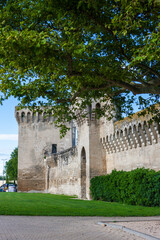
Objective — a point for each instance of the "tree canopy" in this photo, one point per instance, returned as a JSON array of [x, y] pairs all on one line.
[[66, 53], [11, 166]]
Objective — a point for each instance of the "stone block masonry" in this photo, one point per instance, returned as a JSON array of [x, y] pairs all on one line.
[[92, 147]]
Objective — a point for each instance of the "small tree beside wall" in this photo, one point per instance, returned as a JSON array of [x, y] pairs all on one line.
[[11, 166]]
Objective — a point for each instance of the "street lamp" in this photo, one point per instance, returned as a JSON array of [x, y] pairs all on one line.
[[4, 160]]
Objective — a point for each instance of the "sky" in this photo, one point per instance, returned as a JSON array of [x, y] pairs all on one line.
[[8, 131]]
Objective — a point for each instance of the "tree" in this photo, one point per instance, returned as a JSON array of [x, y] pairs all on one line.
[[2, 178], [12, 166], [66, 53]]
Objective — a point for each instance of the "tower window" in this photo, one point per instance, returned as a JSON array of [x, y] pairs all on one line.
[[74, 136], [54, 148]]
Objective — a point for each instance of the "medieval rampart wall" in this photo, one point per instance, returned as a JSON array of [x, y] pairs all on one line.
[[134, 143], [101, 147]]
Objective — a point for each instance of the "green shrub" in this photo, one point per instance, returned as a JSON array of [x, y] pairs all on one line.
[[137, 187]]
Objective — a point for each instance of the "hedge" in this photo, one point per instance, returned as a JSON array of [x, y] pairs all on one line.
[[137, 187]]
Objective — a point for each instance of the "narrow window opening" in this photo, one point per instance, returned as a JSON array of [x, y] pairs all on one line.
[[54, 148], [74, 136], [90, 111], [23, 116]]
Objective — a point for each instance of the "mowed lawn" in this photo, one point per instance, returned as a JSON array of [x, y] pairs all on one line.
[[39, 204]]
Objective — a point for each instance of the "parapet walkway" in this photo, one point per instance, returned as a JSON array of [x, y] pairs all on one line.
[[69, 228]]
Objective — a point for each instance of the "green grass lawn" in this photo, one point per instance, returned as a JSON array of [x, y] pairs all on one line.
[[39, 204]]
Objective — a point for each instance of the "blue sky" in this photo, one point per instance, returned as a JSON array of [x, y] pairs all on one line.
[[8, 130]]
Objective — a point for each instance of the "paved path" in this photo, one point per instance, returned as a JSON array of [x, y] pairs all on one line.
[[145, 227], [59, 228]]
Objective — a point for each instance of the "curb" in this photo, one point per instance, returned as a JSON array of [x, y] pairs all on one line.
[[139, 234]]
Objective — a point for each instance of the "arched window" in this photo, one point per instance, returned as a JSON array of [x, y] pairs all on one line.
[[125, 130], [107, 138], [130, 130], [50, 117], [144, 125], [121, 133], [139, 127], [23, 116], [39, 117], [98, 105], [83, 173], [97, 110], [33, 117], [74, 135], [28, 117], [44, 117], [90, 111], [17, 117], [111, 137], [117, 134], [134, 128]]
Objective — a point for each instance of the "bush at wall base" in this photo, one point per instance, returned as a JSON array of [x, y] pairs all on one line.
[[137, 187]]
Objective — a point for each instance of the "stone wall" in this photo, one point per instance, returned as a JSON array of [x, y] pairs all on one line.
[[134, 143], [37, 134], [101, 146], [63, 172]]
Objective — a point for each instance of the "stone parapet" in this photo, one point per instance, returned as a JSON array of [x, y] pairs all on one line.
[[130, 134], [61, 158], [24, 116]]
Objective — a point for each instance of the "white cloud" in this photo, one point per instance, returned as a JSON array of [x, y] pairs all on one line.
[[3, 154], [13, 137]]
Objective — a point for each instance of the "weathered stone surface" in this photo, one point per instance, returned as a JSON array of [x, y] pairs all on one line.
[[31, 179], [101, 146]]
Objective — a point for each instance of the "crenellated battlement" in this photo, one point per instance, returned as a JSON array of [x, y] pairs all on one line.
[[131, 133], [89, 113], [25, 116]]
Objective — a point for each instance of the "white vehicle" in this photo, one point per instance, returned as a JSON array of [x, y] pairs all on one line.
[[11, 188]]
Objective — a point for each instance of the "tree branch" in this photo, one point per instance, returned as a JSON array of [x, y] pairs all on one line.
[[149, 69]]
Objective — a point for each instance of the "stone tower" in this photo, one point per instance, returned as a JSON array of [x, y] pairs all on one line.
[[91, 153], [38, 138], [62, 166]]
